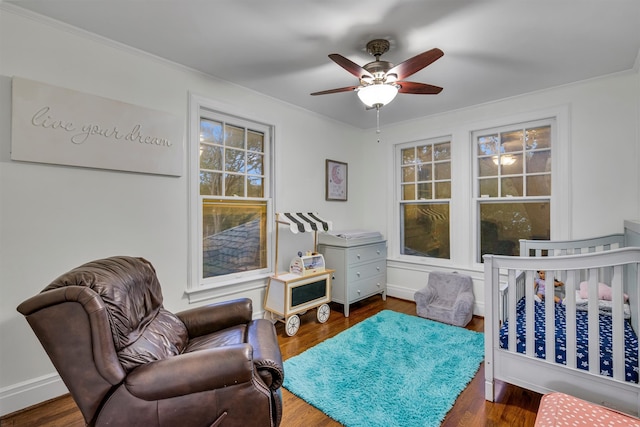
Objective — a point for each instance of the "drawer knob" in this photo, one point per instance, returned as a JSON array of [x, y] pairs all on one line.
[[358, 273], [378, 268], [378, 252], [358, 256], [359, 292]]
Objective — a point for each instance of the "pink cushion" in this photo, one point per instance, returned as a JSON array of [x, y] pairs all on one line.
[[559, 409], [604, 291]]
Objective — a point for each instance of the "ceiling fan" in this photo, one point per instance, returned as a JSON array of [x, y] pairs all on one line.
[[381, 81]]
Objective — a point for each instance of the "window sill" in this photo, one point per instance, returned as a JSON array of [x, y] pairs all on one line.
[[232, 287]]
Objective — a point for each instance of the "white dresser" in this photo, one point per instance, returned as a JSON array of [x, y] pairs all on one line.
[[360, 269]]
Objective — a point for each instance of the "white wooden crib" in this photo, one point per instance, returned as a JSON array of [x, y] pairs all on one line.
[[526, 356]]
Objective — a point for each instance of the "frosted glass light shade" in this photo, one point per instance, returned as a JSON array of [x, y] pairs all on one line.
[[377, 94]]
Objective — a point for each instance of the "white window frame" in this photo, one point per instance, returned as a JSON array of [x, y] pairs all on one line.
[[463, 210], [199, 288], [560, 171], [397, 159]]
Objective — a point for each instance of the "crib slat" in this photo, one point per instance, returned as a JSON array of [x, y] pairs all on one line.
[[570, 309], [550, 316], [618, 324], [529, 316], [594, 326], [511, 313]]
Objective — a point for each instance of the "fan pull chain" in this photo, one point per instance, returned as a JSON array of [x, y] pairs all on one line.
[[378, 123]]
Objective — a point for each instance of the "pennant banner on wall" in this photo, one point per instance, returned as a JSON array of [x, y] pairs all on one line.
[[54, 125]]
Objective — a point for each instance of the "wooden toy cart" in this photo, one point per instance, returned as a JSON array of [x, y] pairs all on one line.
[[308, 283]]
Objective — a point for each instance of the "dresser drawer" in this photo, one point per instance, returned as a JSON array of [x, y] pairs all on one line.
[[367, 287], [364, 271], [366, 253]]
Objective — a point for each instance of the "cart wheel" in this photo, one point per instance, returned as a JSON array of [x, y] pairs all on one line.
[[323, 313], [292, 325]]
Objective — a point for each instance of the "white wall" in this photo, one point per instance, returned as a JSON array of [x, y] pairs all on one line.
[[601, 167], [53, 218]]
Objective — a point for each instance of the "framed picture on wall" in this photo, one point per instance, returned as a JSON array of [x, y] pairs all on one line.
[[336, 180]]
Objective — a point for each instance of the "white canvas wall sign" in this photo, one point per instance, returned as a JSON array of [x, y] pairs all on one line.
[[55, 125]]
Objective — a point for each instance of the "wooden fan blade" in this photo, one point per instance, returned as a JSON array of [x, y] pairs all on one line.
[[350, 66], [341, 89], [415, 64], [418, 88]]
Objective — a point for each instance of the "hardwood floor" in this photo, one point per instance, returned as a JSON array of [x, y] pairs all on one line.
[[513, 406]]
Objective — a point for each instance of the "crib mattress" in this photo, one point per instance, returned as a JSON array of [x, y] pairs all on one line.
[[559, 409], [582, 349]]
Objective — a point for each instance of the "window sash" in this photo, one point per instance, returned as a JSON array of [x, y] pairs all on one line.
[[199, 286], [424, 194], [512, 173]]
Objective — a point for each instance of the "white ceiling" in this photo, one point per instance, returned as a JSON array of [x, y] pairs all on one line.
[[493, 49]]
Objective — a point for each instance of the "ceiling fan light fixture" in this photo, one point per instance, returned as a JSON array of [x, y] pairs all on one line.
[[377, 94]]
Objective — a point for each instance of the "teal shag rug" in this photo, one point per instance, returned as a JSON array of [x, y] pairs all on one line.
[[391, 369]]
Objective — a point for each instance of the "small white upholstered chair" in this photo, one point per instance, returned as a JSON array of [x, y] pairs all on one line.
[[447, 298]]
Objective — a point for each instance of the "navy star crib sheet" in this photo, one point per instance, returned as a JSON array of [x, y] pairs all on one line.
[[582, 349]]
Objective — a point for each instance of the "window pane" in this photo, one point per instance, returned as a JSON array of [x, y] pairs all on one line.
[[234, 185], [512, 186], [487, 166], [511, 141], [409, 192], [424, 191], [210, 131], [210, 157], [539, 161], [234, 160], [408, 174], [488, 187], [539, 185], [210, 184], [539, 137], [442, 151], [233, 237], [255, 141], [511, 164], [426, 230], [255, 187], [234, 137], [488, 145], [503, 224], [424, 153], [424, 172], [254, 163], [442, 170], [408, 156], [443, 190]]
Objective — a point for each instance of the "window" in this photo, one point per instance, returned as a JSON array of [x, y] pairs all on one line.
[[513, 186], [231, 204], [425, 194]]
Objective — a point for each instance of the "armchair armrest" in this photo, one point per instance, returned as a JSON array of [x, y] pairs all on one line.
[[192, 373], [266, 352], [424, 296], [214, 317], [464, 301]]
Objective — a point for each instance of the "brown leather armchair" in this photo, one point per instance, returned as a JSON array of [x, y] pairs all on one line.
[[129, 362]]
